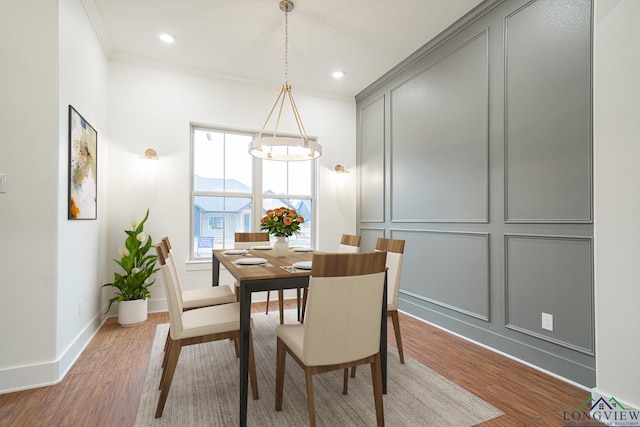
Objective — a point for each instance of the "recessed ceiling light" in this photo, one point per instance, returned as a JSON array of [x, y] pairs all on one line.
[[167, 37], [338, 74]]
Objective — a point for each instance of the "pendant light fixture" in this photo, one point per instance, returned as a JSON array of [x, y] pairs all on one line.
[[279, 147]]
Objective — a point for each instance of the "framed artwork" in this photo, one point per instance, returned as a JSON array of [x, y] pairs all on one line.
[[83, 183]]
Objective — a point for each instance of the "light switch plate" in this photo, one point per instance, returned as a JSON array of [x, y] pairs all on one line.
[[3, 183]]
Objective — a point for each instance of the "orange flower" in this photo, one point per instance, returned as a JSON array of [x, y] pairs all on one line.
[[300, 220], [287, 220]]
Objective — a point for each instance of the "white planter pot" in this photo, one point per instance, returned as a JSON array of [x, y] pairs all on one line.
[[132, 313], [280, 247]]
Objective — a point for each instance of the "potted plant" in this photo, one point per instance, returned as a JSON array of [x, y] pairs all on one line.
[[282, 223], [133, 285]]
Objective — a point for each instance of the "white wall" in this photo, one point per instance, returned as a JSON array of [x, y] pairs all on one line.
[[48, 263], [81, 244], [617, 198], [29, 208], [150, 108]]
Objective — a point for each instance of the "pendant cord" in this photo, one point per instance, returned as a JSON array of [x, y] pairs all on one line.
[[286, 47]]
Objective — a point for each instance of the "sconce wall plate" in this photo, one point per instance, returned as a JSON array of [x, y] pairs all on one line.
[[340, 169], [150, 154]]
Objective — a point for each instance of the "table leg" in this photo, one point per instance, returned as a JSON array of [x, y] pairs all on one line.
[[215, 272], [245, 327], [383, 338], [281, 305]]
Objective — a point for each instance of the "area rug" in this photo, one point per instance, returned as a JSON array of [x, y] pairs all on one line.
[[205, 390]]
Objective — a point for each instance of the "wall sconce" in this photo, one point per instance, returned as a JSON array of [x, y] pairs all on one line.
[[150, 154], [340, 169]]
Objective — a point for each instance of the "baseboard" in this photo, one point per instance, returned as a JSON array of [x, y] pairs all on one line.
[[49, 373], [501, 353]]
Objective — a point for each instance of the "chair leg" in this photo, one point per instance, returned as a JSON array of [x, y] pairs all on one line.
[[236, 344], [166, 342], [353, 372], [268, 295], [312, 407], [167, 358], [252, 369], [281, 305], [396, 328], [376, 378], [345, 381], [167, 347], [167, 377], [281, 355]]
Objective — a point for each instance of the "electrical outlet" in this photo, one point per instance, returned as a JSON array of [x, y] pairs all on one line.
[[547, 321]]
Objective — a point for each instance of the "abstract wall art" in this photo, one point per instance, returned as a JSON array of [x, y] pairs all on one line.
[[83, 183]]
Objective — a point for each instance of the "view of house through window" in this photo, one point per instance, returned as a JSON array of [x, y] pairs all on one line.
[[231, 191]]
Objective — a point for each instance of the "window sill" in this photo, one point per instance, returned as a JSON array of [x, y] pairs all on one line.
[[200, 265]]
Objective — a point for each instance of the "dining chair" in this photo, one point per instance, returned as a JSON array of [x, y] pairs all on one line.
[[197, 298], [342, 328], [196, 326], [395, 252], [200, 297], [247, 241], [348, 244]]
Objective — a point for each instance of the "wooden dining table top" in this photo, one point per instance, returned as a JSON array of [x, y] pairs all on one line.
[[273, 268]]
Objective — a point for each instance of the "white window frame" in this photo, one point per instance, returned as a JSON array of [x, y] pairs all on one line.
[[256, 194]]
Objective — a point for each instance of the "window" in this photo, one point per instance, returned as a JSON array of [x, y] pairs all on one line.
[[231, 191]]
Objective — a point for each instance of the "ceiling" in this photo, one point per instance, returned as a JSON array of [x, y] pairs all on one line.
[[243, 40]]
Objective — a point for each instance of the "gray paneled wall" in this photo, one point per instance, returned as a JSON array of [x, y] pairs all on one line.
[[371, 162], [547, 112], [439, 169], [476, 151]]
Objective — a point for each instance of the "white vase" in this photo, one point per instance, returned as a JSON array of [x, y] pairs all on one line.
[[132, 313], [280, 247]]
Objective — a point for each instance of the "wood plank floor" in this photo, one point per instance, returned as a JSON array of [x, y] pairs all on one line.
[[104, 386]]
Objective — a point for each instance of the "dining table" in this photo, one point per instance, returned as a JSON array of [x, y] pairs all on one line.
[[257, 270]]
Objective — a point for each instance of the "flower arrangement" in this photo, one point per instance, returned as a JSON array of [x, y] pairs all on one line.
[[138, 266], [281, 222]]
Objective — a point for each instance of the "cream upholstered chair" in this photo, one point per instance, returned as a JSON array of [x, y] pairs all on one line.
[[395, 252], [197, 298], [201, 297], [195, 326], [342, 328], [247, 241], [349, 244]]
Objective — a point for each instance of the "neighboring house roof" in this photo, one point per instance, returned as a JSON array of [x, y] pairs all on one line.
[[221, 204], [220, 184], [233, 204]]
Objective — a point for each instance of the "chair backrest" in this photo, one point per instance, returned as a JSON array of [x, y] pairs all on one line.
[[395, 253], [349, 244], [171, 260], [248, 240], [344, 307], [174, 295]]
